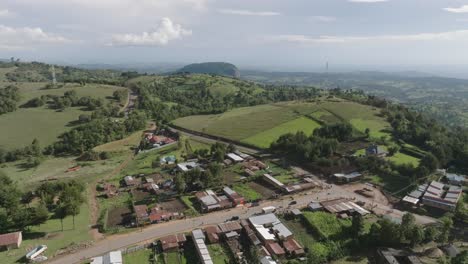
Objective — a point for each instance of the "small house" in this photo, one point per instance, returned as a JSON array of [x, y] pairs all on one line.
[[376, 150], [172, 242], [130, 181], [168, 160], [455, 179], [11, 240], [141, 213]]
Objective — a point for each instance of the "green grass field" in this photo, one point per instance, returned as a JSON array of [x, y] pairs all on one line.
[[402, 158], [55, 168], [124, 144], [247, 192], [42, 123], [50, 234], [218, 254], [326, 225], [260, 125], [138, 257], [265, 138]]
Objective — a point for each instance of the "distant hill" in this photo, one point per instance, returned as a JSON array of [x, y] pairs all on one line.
[[217, 68]]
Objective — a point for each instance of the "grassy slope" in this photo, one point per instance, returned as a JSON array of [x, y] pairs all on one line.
[[42, 123], [265, 138], [261, 125], [124, 144]]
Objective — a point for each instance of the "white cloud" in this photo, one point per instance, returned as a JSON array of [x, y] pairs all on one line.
[[242, 12], [303, 39], [5, 13], [23, 37], [324, 19], [461, 9], [367, 1], [164, 32]]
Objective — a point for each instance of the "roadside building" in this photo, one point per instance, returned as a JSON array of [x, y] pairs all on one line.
[[172, 242], [212, 233], [202, 250], [113, 257], [141, 213], [11, 240], [342, 206], [439, 196], [315, 206], [210, 201], [235, 198], [269, 228], [230, 226]]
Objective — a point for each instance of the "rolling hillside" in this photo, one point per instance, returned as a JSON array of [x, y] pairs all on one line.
[[261, 125]]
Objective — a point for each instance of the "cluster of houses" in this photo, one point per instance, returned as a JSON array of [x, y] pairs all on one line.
[[160, 138], [306, 184], [144, 215], [435, 194], [210, 201], [271, 237], [342, 208], [265, 232]]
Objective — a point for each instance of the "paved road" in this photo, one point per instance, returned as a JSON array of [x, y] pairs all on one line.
[[152, 232]]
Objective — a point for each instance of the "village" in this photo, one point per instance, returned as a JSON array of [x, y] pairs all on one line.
[[283, 211]]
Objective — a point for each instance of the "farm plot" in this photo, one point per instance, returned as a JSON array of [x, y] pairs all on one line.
[[261, 188], [263, 124]]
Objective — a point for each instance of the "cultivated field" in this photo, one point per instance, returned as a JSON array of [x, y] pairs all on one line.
[[261, 125]]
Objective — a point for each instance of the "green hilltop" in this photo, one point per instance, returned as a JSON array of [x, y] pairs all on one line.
[[216, 68]]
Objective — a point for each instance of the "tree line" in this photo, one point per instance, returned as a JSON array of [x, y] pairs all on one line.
[[9, 97]]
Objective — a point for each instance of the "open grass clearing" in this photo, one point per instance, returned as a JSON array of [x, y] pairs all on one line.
[[125, 144], [247, 192], [389, 183], [138, 257], [402, 158], [25, 124], [218, 254], [55, 168], [265, 138], [325, 225], [50, 234]]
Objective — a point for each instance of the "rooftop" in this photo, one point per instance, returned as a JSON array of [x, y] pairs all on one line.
[[9, 238]]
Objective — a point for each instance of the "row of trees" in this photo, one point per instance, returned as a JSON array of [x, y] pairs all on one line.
[[33, 153], [9, 97]]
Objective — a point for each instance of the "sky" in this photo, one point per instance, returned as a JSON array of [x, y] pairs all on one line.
[[270, 34]]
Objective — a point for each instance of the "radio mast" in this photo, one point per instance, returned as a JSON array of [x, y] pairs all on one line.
[[54, 80]]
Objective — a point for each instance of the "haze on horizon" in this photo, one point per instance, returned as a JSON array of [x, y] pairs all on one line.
[[276, 34]]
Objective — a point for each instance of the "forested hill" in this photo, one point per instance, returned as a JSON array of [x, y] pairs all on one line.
[[445, 99], [217, 68]]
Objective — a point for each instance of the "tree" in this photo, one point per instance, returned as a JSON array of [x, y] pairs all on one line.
[[357, 226], [417, 235], [447, 224], [180, 183], [393, 149], [430, 233], [41, 214], [430, 162], [367, 132], [461, 258], [408, 222]]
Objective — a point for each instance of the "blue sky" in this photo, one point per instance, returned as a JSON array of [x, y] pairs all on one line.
[[279, 34]]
